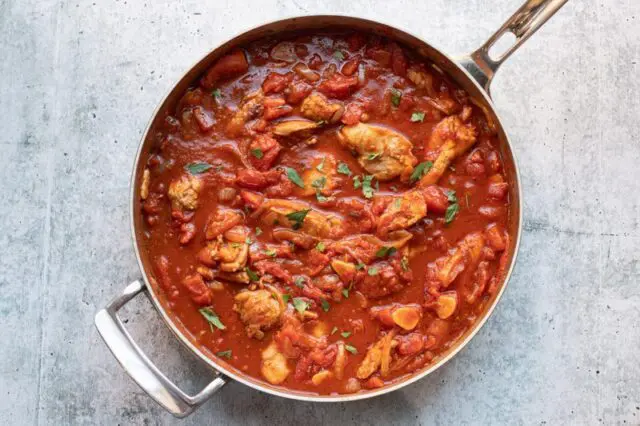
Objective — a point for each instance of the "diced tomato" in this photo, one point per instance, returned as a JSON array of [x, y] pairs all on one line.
[[356, 41], [198, 290], [275, 108], [252, 200], [316, 62], [275, 83], [436, 198], [398, 60], [374, 383], [338, 86], [221, 221], [230, 65], [263, 152], [411, 344], [297, 91], [351, 66], [254, 179], [275, 269], [203, 118], [352, 114]]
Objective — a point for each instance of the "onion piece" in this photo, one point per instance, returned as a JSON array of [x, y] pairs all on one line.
[[361, 74], [226, 194], [305, 72], [284, 51]]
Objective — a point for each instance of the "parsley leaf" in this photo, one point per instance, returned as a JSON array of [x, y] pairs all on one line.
[[224, 354], [320, 166], [248, 241], [386, 251], [271, 253], [299, 282], [345, 334], [345, 293], [373, 155], [320, 247], [294, 177], [395, 97], [298, 217], [258, 231], [356, 182], [367, 190], [372, 271], [417, 117], [300, 305], [257, 153], [344, 169], [451, 196], [252, 275], [420, 170], [338, 55], [286, 298], [321, 197], [197, 168], [213, 319], [216, 94], [325, 305], [319, 183], [451, 212], [360, 266], [351, 349]]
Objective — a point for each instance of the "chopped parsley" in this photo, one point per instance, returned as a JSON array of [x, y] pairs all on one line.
[[319, 183], [338, 55], [345, 334], [300, 305], [320, 247], [356, 182], [453, 208], [360, 266], [294, 177], [257, 153], [297, 217], [321, 198], [248, 241], [286, 298], [345, 293], [420, 170], [197, 168], [258, 231], [372, 271], [252, 275], [216, 93], [213, 319], [373, 155], [225, 354], [417, 117], [351, 349], [386, 251], [395, 97], [270, 252], [320, 166], [299, 282], [367, 190], [344, 169], [325, 305]]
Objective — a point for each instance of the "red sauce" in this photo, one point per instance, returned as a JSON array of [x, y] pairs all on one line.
[[330, 197]]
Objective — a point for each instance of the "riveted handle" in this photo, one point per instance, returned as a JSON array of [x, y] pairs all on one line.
[[522, 24], [140, 367]]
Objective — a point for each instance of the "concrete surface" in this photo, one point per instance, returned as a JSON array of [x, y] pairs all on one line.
[[78, 82]]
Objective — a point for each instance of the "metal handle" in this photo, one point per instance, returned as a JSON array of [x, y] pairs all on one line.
[[522, 24], [139, 367]]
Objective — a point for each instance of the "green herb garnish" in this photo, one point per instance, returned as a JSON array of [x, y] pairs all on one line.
[[395, 97], [334, 330], [216, 94], [252, 275], [320, 166], [319, 183], [325, 305], [257, 153], [338, 55], [213, 319], [367, 190], [344, 169], [224, 354], [420, 170], [197, 168], [345, 334], [294, 177], [286, 297], [351, 349], [360, 266], [299, 282], [270, 252], [417, 117], [297, 218], [386, 251], [373, 155], [258, 231], [356, 182], [300, 305], [372, 271], [320, 247], [451, 212]]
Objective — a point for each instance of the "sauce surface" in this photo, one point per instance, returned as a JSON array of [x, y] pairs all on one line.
[[326, 213]]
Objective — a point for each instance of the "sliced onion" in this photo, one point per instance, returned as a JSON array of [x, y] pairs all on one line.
[[226, 194], [284, 51], [305, 72], [361, 74]]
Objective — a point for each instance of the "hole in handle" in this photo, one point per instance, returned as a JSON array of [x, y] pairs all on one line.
[[501, 46]]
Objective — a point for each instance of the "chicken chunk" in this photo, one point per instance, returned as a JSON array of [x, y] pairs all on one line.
[[302, 217], [402, 212], [231, 256], [249, 108], [259, 310], [320, 177], [378, 353], [421, 79], [450, 138], [317, 107], [294, 127], [466, 254], [363, 248], [274, 366], [222, 220], [183, 192], [382, 152]]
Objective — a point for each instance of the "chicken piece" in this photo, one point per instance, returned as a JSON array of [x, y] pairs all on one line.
[[466, 254], [402, 212], [274, 366], [259, 310], [363, 248], [317, 107], [183, 192], [302, 217], [382, 152], [294, 127], [421, 79], [345, 270], [249, 108], [222, 220], [232, 256], [449, 139], [320, 181], [376, 354]]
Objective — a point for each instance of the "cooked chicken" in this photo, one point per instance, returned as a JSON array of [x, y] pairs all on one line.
[[466, 254], [402, 212], [318, 108], [222, 220], [421, 79], [259, 310], [302, 217], [320, 181], [382, 152], [364, 247], [274, 366], [249, 109], [183, 192], [232, 256], [294, 127], [378, 353], [449, 139]]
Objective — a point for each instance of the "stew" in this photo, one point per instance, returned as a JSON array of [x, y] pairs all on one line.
[[325, 212]]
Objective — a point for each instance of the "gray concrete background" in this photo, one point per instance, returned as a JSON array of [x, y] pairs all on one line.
[[78, 82]]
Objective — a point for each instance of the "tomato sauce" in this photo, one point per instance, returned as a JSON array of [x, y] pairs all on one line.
[[326, 213]]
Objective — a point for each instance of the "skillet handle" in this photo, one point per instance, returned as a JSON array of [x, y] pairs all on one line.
[[522, 24], [139, 367]]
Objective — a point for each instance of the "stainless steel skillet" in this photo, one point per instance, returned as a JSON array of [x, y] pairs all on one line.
[[472, 72]]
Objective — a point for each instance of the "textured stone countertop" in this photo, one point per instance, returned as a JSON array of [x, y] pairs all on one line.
[[78, 82]]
